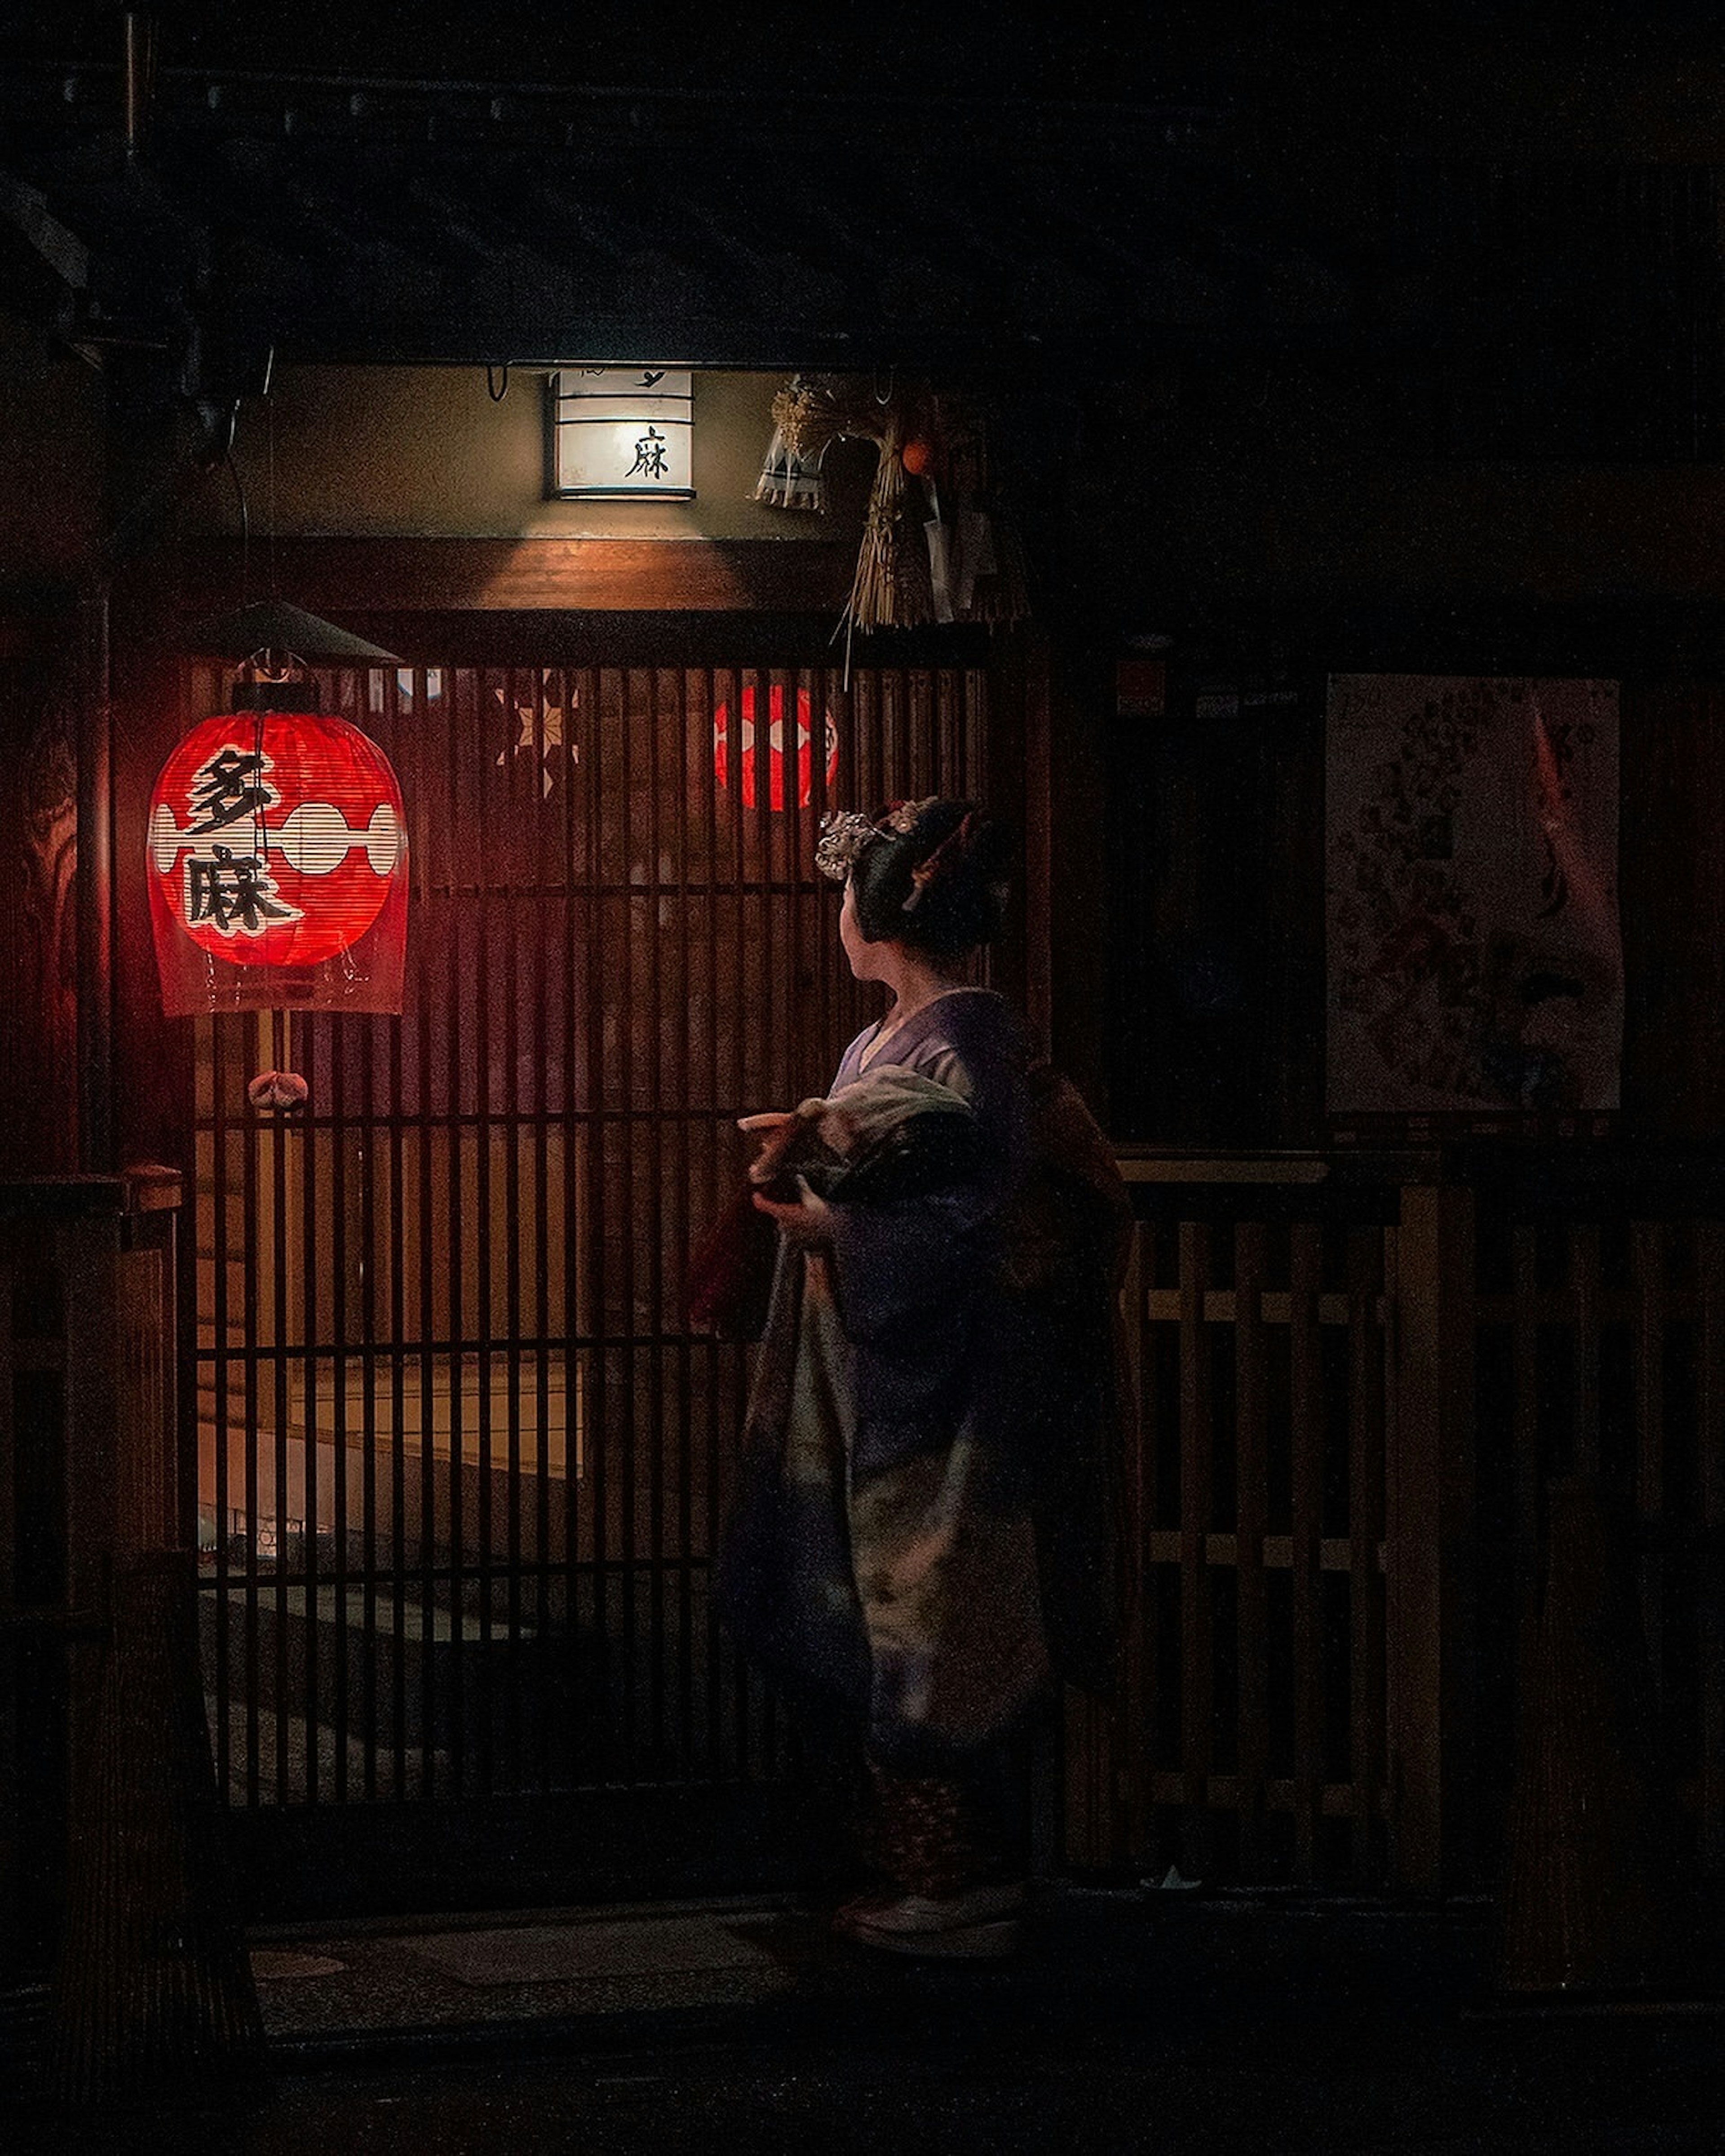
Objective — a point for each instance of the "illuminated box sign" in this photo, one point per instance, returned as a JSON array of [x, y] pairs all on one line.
[[622, 433]]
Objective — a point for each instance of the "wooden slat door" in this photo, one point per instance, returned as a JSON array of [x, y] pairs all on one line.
[[462, 1466]]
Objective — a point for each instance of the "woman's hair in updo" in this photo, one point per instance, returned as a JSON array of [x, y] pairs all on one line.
[[933, 876]]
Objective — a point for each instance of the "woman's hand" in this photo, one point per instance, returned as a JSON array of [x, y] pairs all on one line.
[[777, 1128], [804, 1220], [805, 1223]]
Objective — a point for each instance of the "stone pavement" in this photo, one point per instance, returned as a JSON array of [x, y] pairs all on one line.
[[1146, 2020]]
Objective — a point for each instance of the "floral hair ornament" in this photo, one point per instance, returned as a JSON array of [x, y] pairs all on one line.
[[844, 833]]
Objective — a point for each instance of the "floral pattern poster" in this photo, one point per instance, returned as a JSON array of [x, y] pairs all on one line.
[[1476, 965]]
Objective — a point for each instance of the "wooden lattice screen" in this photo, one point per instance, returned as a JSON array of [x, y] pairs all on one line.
[[1600, 1318], [1356, 1379], [462, 1464], [1252, 1741]]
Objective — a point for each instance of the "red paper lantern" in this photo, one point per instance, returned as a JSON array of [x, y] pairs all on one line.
[[749, 742], [277, 866]]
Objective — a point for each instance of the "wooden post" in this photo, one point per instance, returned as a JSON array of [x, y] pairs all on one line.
[[1306, 1542], [1032, 718], [1430, 1482], [95, 889], [1197, 1596], [151, 1989], [1105, 1812]]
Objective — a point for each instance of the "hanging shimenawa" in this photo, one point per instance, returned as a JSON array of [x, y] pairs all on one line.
[[936, 546]]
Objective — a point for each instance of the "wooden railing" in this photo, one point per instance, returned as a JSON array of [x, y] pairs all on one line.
[[1354, 1375]]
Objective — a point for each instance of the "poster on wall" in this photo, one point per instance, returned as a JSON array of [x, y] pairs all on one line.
[[1475, 961]]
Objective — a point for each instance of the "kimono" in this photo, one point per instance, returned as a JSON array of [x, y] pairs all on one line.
[[882, 1552]]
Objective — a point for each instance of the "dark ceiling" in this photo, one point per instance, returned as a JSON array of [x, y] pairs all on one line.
[[445, 220], [798, 50], [990, 188]]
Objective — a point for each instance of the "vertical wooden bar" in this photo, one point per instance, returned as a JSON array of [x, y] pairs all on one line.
[[279, 1276], [1306, 1417], [1103, 1819], [583, 1203], [1584, 1291], [971, 722], [1135, 1724], [610, 1282], [824, 958], [767, 1005], [213, 1206], [1196, 1689], [1648, 1240], [551, 897], [419, 869], [652, 1105], [445, 1584], [470, 1669], [1038, 842], [1527, 1480], [632, 1159], [553, 883], [919, 702], [525, 929], [15, 1666], [309, 1260], [1365, 1529], [685, 769], [725, 1090], [1710, 1600], [625, 1161], [1430, 1509], [435, 916], [865, 790], [525, 813], [751, 1727], [380, 1263], [1251, 1484], [436, 1005]]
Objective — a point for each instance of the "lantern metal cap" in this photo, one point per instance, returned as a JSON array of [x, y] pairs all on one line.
[[273, 625]]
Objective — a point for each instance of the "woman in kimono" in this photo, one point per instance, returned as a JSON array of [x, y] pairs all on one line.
[[884, 1552]]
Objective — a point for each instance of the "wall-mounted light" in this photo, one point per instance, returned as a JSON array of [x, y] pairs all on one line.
[[621, 433]]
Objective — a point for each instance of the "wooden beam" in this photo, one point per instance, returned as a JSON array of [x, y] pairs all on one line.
[[371, 575], [1429, 1533]]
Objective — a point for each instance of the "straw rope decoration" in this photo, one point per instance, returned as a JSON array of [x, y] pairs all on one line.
[[936, 546]]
